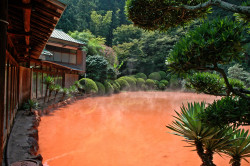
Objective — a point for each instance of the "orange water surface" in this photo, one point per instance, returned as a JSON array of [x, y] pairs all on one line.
[[126, 129]]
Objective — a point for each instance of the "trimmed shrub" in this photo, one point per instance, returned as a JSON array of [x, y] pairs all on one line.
[[108, 87], [206, 82], [133, 77], [165, 82], [161, 86], [101, 88], [150, 84], [131, 82], [163, 74], [175, 82], [155, 76], [141, 75], [124, 85], [140, 82], [236, 83], [89, 85], [115, 85]]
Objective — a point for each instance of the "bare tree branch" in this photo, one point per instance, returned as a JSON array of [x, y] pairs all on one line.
[[221, 4]]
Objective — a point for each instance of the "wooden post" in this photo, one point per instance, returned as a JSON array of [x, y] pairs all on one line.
[[3, 46]]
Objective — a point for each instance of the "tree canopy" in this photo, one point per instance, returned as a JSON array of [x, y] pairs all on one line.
[[164, 14]]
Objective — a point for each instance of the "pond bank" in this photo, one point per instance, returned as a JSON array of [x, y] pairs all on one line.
[[23, 140]]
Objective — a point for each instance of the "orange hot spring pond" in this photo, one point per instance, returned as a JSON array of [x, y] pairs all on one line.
[[126, 129]]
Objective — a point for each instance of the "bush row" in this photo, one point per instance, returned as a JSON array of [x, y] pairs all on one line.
[[124, 83]]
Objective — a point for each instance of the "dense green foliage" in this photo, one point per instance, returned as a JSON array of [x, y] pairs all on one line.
[[144, 51], [101, 88], [96, 67], [131, 82], [203, 137], [94, 45], [124, 85], [99, 69], [141, 75], [155, 76], [140, 82], [206, 82], [228, 110], [99, 16], [126, 34], [89, 86], [161, 15], [163, 74], [214, 42], [108, 87], [237, 72], [150, 84]]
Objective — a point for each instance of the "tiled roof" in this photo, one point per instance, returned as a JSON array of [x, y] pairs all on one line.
[[59, 34], [46, 52]]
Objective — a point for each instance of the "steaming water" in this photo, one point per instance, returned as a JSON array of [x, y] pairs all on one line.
[[127, 129]]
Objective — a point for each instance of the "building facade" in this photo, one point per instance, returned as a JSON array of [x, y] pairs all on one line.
[[25, 29]]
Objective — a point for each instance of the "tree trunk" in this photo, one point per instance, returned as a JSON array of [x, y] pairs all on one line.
[[204, 157], [236, 161], [46, 92], [55, 95]]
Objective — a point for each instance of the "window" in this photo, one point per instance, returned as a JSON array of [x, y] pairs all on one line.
[[72, 59], [65, 57], [57, 56]]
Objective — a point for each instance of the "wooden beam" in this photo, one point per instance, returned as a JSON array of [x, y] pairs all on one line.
[[3, 46], [26, 18], [19, 33], [19, 5]]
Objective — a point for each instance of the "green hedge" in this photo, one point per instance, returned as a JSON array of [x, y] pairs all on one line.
[[150, 84], [131, 82], [163, 74], [101, 88], [165, 82], [123, 83], [236, 83], [89, 85], [108, 87], [140, 82], [116, 86], [155, 76], [141, 75], [161, 86]]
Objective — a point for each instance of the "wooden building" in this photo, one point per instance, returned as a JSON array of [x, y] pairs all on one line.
[[25, 28], [62, 59]]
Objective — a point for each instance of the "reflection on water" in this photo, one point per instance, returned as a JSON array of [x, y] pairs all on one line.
[[126, 129]]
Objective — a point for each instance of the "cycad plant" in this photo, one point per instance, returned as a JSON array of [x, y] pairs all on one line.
[[48, 81], [65, 92], [78, 85], [57, 89], [51, 89], [73, 89], [204, 138], [240, 149]]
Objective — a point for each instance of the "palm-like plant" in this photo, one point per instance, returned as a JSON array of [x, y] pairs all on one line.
[[240, 149], [57, 89], [204, 138], [73, 89], [48, 81], [51, 89], [65, 92], [78, 85]]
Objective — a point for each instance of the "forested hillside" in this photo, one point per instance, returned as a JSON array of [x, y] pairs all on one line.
[[99, 16], [104, 22]]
